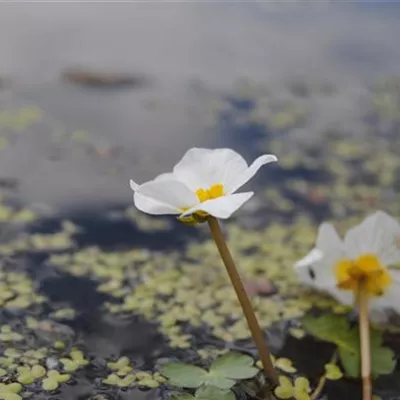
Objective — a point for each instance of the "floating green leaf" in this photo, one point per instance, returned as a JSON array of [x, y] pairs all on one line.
[[336, 329], [49, 384], [182, 396], [223, 372], [214, 393], [298, 390], [333, 372], [234, 366], [206, 393], [184, 375]]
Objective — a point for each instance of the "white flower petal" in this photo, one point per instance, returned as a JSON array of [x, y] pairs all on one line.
[[342, 296], [163, 196], [315, 271], [221, 207], [236, 181], [317, 268], [378, 234], [134, 186], [202, 168], [328, 240], [154, 207], [306, 266]]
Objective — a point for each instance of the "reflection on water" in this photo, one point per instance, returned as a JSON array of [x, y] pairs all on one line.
[[173, 46]]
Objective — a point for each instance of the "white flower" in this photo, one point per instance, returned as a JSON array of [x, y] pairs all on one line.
[[204, 182], [337, 266]]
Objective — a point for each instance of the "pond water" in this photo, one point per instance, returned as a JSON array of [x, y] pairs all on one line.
[[94, 94]]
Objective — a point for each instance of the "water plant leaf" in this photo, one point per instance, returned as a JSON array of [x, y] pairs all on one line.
[[234, 366], [301, 388], [333, 372], [215, 378], [49, 384], [184, 375], [285, 388], [336, 329], [214, 393], [10, 396], [182, 396], [286, 365]]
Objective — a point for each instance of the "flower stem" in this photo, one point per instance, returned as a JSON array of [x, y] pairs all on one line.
[[365, 345], [244, 300], [321, 382]]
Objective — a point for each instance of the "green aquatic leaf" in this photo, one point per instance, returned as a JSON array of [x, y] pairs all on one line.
[[184, 375], [330, 328], [214, 393], [49, 384], [10, 396], [60, 378], [333, 372], [215, 378], [336, 329], [10, 389], [285, 389], [234, 366], [182, 396], [38, 371]]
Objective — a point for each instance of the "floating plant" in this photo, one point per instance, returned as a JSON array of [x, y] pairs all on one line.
[[206, 393], [223, 372]]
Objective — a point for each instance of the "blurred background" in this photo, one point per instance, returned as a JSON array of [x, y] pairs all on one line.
[[103, 92]]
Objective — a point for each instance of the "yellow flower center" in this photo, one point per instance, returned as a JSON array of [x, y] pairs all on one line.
[[203, 195], [367, 270], [213, 192]]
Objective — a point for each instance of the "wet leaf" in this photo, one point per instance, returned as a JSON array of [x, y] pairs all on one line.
[[336, 329], [184, 375], [286, 365], [9, 396], [234, 366], [214, 393], [49, 384], [183, 396], [333, 372], [285, 388]]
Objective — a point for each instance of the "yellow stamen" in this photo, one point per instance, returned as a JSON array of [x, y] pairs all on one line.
[[366, 269], [203, 195], [213, 192]]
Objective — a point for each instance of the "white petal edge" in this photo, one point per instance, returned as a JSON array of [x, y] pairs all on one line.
[[154, 196], [202, 168], [134, 186], [222, 207], [377, 234], [239, 180], [328, 240], [153, 207], [304, 268]]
